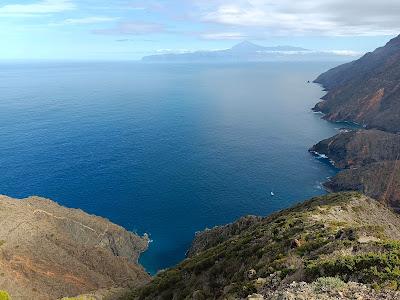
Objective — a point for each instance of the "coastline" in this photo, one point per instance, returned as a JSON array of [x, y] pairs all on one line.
[[372, 147], [323, 156]]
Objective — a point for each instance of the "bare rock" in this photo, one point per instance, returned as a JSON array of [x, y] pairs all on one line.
[[255, 297], [251, 274], [48, 251], [295, 244]]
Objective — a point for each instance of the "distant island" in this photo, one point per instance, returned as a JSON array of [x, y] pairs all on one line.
[[247, 51]]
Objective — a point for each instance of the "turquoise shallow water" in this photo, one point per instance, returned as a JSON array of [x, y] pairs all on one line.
[[164, 149]]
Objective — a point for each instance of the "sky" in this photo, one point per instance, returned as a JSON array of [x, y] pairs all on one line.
[[131, 29]]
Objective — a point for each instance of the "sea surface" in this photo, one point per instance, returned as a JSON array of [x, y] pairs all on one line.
[[166, 149]]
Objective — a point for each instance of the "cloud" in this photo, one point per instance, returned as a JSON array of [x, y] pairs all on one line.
[[344, 52], [328, 17], [134, 40], [89, 20], [223, 36], [132, 28], [40, 7], [148, 5], [174, 51]]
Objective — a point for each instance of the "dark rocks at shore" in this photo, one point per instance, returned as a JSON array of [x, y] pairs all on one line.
[[366, 91], [359, 148], [368, 159]]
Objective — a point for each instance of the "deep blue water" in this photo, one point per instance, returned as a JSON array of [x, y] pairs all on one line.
[[163, 149]]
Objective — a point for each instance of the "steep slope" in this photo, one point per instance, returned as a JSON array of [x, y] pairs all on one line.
[[366, 91], [380, 180], [209, 238], [371, 162], [346, 235], [359, 147], [48, 251]]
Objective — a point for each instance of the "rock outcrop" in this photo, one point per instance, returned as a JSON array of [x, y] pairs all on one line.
[[48, 251], [366, 91], [359, 147], [211, 237], [370, 159], [380, 180], [347, 236], [329, 288]]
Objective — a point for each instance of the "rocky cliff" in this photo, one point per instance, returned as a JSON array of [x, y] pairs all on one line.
[[370, 159], [366, 91], [49, 252], [212, 237], [379, 180], [359, 147], [325, 245]]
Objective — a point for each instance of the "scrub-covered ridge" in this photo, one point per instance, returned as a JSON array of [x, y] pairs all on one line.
[[345, 236]]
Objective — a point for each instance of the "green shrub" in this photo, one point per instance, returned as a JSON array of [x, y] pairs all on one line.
[[310, 246], [4, 295], [323, 284], [382, 269]]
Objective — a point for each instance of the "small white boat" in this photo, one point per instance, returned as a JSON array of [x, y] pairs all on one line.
[[272, 194]]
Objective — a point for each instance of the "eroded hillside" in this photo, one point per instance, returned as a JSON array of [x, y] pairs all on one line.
[[366, 91], [48, 251]]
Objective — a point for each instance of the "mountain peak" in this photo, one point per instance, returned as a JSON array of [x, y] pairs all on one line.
[[246, 46], [394, 41]]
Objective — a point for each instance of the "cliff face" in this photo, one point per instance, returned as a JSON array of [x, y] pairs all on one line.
[[379, 180], [371, 162], [48, 251], [212, 237], [359, 148], [366, 91], [346, 235]]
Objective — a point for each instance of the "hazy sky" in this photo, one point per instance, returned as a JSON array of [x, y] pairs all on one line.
[[129, 29]]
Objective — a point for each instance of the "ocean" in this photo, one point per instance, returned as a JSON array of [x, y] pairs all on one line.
[[164, 149]]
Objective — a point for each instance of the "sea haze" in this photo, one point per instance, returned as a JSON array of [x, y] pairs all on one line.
[[167, 149]]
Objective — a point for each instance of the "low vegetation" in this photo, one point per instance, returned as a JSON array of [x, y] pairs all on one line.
[[380, 268], [4, 295], [328, 240], [323, 284]]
